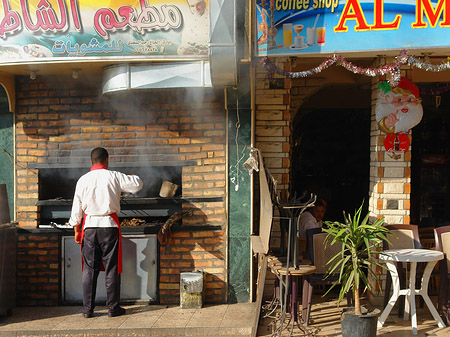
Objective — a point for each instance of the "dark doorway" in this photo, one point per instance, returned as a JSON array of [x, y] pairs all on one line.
[[430, 167], [331, 150]]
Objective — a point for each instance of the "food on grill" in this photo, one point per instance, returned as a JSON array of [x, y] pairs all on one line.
[[133, 222]]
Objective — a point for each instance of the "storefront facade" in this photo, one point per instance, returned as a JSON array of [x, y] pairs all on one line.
[[160, 97], [320, 67], [152, 84]]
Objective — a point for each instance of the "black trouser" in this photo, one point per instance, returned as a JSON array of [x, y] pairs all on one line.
[[100, 245]]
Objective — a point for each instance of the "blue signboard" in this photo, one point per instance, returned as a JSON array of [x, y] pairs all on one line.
[[293, 27]]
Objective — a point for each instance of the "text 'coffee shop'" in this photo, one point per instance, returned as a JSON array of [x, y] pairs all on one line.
[[361, 91]]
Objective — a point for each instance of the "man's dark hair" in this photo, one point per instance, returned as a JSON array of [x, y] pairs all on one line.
[[99, 155], [320, 202]]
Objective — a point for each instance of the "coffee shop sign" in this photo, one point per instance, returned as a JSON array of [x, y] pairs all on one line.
[[309, 26]]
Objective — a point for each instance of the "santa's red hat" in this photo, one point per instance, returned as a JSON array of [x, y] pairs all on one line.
[[405, 84]]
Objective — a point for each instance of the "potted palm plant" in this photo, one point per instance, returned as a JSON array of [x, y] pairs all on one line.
[[360, 240]]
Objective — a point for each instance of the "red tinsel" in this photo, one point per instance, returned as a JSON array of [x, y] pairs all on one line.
[[393, 68]]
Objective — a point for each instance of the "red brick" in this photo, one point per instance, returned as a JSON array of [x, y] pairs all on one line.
[[199, 264], [407, 189], [156, 127], [182, 264], [379, 204], [170, 257], [406, 204]]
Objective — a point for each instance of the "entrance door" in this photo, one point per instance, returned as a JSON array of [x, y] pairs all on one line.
[[430, 167], [331, 158], [331, 147]]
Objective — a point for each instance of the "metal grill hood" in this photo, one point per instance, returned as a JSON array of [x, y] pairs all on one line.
[[220, 70]]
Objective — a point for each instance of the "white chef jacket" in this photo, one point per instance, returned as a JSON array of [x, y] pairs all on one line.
[[97, 195], [307, 221]]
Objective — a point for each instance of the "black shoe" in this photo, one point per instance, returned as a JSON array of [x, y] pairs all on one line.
[[119, 312], [88, 315]]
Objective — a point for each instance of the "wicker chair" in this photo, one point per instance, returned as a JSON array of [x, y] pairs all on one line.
[[442, 238], [319, 257]]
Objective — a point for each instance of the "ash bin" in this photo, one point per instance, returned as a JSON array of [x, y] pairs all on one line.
[[192, 290]]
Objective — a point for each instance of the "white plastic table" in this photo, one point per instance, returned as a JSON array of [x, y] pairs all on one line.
[[411, 256]]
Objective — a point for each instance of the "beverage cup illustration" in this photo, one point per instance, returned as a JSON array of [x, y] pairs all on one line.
[[320, 36], [311, 35], [299, 42], [298, 29], [287, 35]]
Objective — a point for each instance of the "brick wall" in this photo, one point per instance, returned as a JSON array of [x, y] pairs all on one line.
[[59, 120], [190, 251], [37, 269]]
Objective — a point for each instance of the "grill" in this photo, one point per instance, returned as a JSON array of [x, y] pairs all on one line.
[[57, 185], [152, 211]]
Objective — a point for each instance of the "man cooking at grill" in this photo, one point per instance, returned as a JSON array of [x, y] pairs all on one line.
[[94, 218]]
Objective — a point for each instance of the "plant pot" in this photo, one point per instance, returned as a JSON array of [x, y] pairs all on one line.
[[364, 325]]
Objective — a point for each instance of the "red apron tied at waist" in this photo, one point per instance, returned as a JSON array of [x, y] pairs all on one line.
[[119, 255]]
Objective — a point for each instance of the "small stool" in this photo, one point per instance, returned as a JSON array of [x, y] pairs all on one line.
[[292, 276]]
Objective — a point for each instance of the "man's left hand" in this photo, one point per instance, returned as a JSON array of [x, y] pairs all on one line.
[[77, 234]]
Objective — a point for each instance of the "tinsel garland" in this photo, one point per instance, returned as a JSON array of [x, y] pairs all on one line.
[[393, 68], [428, 66]]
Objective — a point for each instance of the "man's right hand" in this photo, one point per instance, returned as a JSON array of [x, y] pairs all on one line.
[[78, 238]]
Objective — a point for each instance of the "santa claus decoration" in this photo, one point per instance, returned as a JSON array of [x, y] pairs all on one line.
[[398, 109]]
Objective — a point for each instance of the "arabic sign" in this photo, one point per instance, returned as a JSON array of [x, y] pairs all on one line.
[[41, 29], [292, 27]]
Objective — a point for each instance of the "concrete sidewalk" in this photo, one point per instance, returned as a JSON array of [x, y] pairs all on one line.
[[212, 321], [326, 322], [140, 320]]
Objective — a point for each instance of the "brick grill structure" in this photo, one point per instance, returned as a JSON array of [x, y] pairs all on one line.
[[59, 120]]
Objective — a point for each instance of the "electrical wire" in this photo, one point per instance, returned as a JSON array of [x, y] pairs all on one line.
[[238, 125], [11, 158]]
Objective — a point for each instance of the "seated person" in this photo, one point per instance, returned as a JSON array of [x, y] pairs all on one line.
[[312, 218]]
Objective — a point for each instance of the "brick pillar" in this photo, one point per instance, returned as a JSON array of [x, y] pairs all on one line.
[[390, 184], [273, 128], [390, 175]]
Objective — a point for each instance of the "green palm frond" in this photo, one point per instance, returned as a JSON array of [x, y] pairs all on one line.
[[361, 241]]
